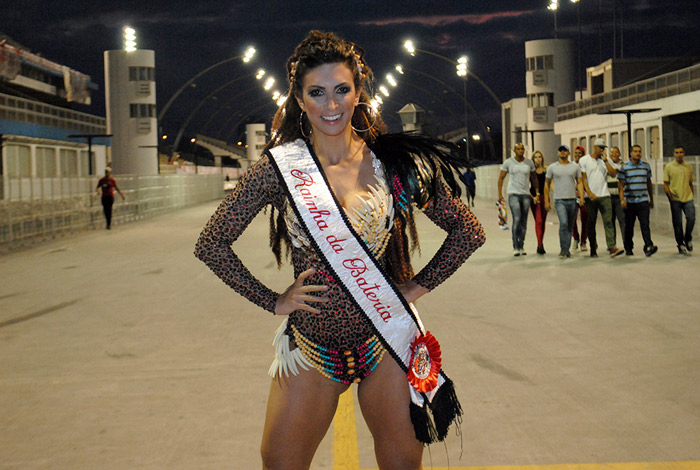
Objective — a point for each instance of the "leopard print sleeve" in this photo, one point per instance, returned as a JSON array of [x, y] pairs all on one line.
[[464, 235], [257, 188]]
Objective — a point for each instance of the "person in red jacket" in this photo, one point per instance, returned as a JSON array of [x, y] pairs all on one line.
[[105, 188]]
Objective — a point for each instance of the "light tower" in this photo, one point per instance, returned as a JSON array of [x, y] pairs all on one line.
[[130, 98]]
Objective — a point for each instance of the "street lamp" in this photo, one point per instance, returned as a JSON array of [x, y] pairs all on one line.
[[462, 72], [554, 6]]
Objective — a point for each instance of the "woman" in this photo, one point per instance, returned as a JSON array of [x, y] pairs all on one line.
[[326, 123], [580, 241], [538, 210]]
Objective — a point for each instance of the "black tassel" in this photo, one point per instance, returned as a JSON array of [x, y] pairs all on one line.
[[445, 408], [422, 424]]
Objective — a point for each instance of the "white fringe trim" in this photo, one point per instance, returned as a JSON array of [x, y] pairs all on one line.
[[286, 361]]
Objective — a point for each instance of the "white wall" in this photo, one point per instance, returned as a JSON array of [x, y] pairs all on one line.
[[134, 141]]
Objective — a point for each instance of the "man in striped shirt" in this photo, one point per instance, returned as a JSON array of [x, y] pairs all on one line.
[[636, 198]]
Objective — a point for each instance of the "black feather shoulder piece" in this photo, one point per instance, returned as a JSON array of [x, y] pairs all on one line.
[[416, 164]]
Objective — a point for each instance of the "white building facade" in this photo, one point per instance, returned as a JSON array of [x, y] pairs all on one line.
[[130, 100]]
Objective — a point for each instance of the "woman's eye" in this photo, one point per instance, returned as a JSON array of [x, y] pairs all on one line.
[[315, 93], [343, 90]]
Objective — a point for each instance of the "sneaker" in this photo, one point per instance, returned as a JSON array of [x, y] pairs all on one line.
[[689, 246], [522, 252], [584, 247], [540, 250], [562, 255], [614, 251], [516, 252], [650, 250], [594, 253], [575, 244], [682, 250], [629, 253], [567, 254]]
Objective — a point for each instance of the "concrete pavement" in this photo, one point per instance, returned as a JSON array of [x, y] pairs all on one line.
[[120, 350]]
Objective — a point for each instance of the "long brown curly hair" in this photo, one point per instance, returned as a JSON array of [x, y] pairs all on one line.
[[320, 48]]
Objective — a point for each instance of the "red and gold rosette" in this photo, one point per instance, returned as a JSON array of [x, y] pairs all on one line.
[[426, 362]]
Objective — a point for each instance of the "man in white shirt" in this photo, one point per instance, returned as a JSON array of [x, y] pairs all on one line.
[[596, 169]]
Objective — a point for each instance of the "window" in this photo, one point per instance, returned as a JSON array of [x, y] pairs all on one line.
[[69, 162], [540, 100], [85, 163], [17, 158], [142, 110], [45, 162], [143, 74], [543, 62]]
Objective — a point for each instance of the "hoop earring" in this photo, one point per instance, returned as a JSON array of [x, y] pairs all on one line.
[[373, 114], [301, 126]]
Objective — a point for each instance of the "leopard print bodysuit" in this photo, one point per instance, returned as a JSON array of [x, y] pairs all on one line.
[[339, 327]]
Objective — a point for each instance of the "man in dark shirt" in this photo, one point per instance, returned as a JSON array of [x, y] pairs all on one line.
[[106, 187]]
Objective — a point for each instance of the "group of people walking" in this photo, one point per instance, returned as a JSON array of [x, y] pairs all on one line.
[[595, 184]]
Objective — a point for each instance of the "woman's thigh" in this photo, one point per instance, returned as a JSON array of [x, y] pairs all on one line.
[[299, 411], [384, 400]]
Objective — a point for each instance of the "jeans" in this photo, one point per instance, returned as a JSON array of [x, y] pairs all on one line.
[[519, 207], [584, 225], [619, 215], [639, 210], [107, 203], [604, 206], [540, 216], [566, 211], [677, 209]]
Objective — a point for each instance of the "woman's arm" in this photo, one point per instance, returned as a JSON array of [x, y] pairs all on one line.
[[464, 235], [250, 196]]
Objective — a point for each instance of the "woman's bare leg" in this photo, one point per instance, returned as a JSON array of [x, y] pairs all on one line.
[[384, 400], [299, 411]]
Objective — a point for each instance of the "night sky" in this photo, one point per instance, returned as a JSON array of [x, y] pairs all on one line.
[[188, 36]]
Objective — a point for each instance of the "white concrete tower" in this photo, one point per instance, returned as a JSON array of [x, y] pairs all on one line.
[[255, 140], [130, 98], [549, 82]]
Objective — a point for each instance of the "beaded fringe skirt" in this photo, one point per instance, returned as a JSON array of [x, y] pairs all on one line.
[[346, 365]]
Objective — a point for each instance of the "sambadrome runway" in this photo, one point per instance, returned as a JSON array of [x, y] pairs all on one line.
[[119, 350]]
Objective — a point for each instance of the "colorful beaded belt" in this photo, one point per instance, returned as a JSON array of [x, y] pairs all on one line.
[[345, 365]]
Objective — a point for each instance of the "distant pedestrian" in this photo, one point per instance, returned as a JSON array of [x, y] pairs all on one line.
[[105, 187], [538, 210], [580, 240], [469, 179], [596, 168], [637, 198], [522, 174], [568, 189], [617, 213], [678, 185]]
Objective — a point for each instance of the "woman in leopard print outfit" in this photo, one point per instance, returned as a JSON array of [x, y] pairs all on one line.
[[323, 331]]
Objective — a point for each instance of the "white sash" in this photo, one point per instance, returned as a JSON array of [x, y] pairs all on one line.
[[396, 322]]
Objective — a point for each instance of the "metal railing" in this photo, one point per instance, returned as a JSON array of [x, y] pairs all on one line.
[[55, 207], [663, 86]]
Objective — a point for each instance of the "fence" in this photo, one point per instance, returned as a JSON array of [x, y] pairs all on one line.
[[46, 208]]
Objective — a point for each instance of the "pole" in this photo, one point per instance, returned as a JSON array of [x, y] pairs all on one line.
[[466, 120]]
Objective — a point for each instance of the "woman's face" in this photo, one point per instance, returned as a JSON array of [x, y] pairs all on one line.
[[329, 98], [537, 159]]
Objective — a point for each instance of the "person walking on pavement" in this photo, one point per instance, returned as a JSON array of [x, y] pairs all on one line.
[[637, 198], [469, 179], [568, 183], [580, 239], [617, 213], [538, 211], [678, 186], [105, 187], [522, 175], [596, 168]]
